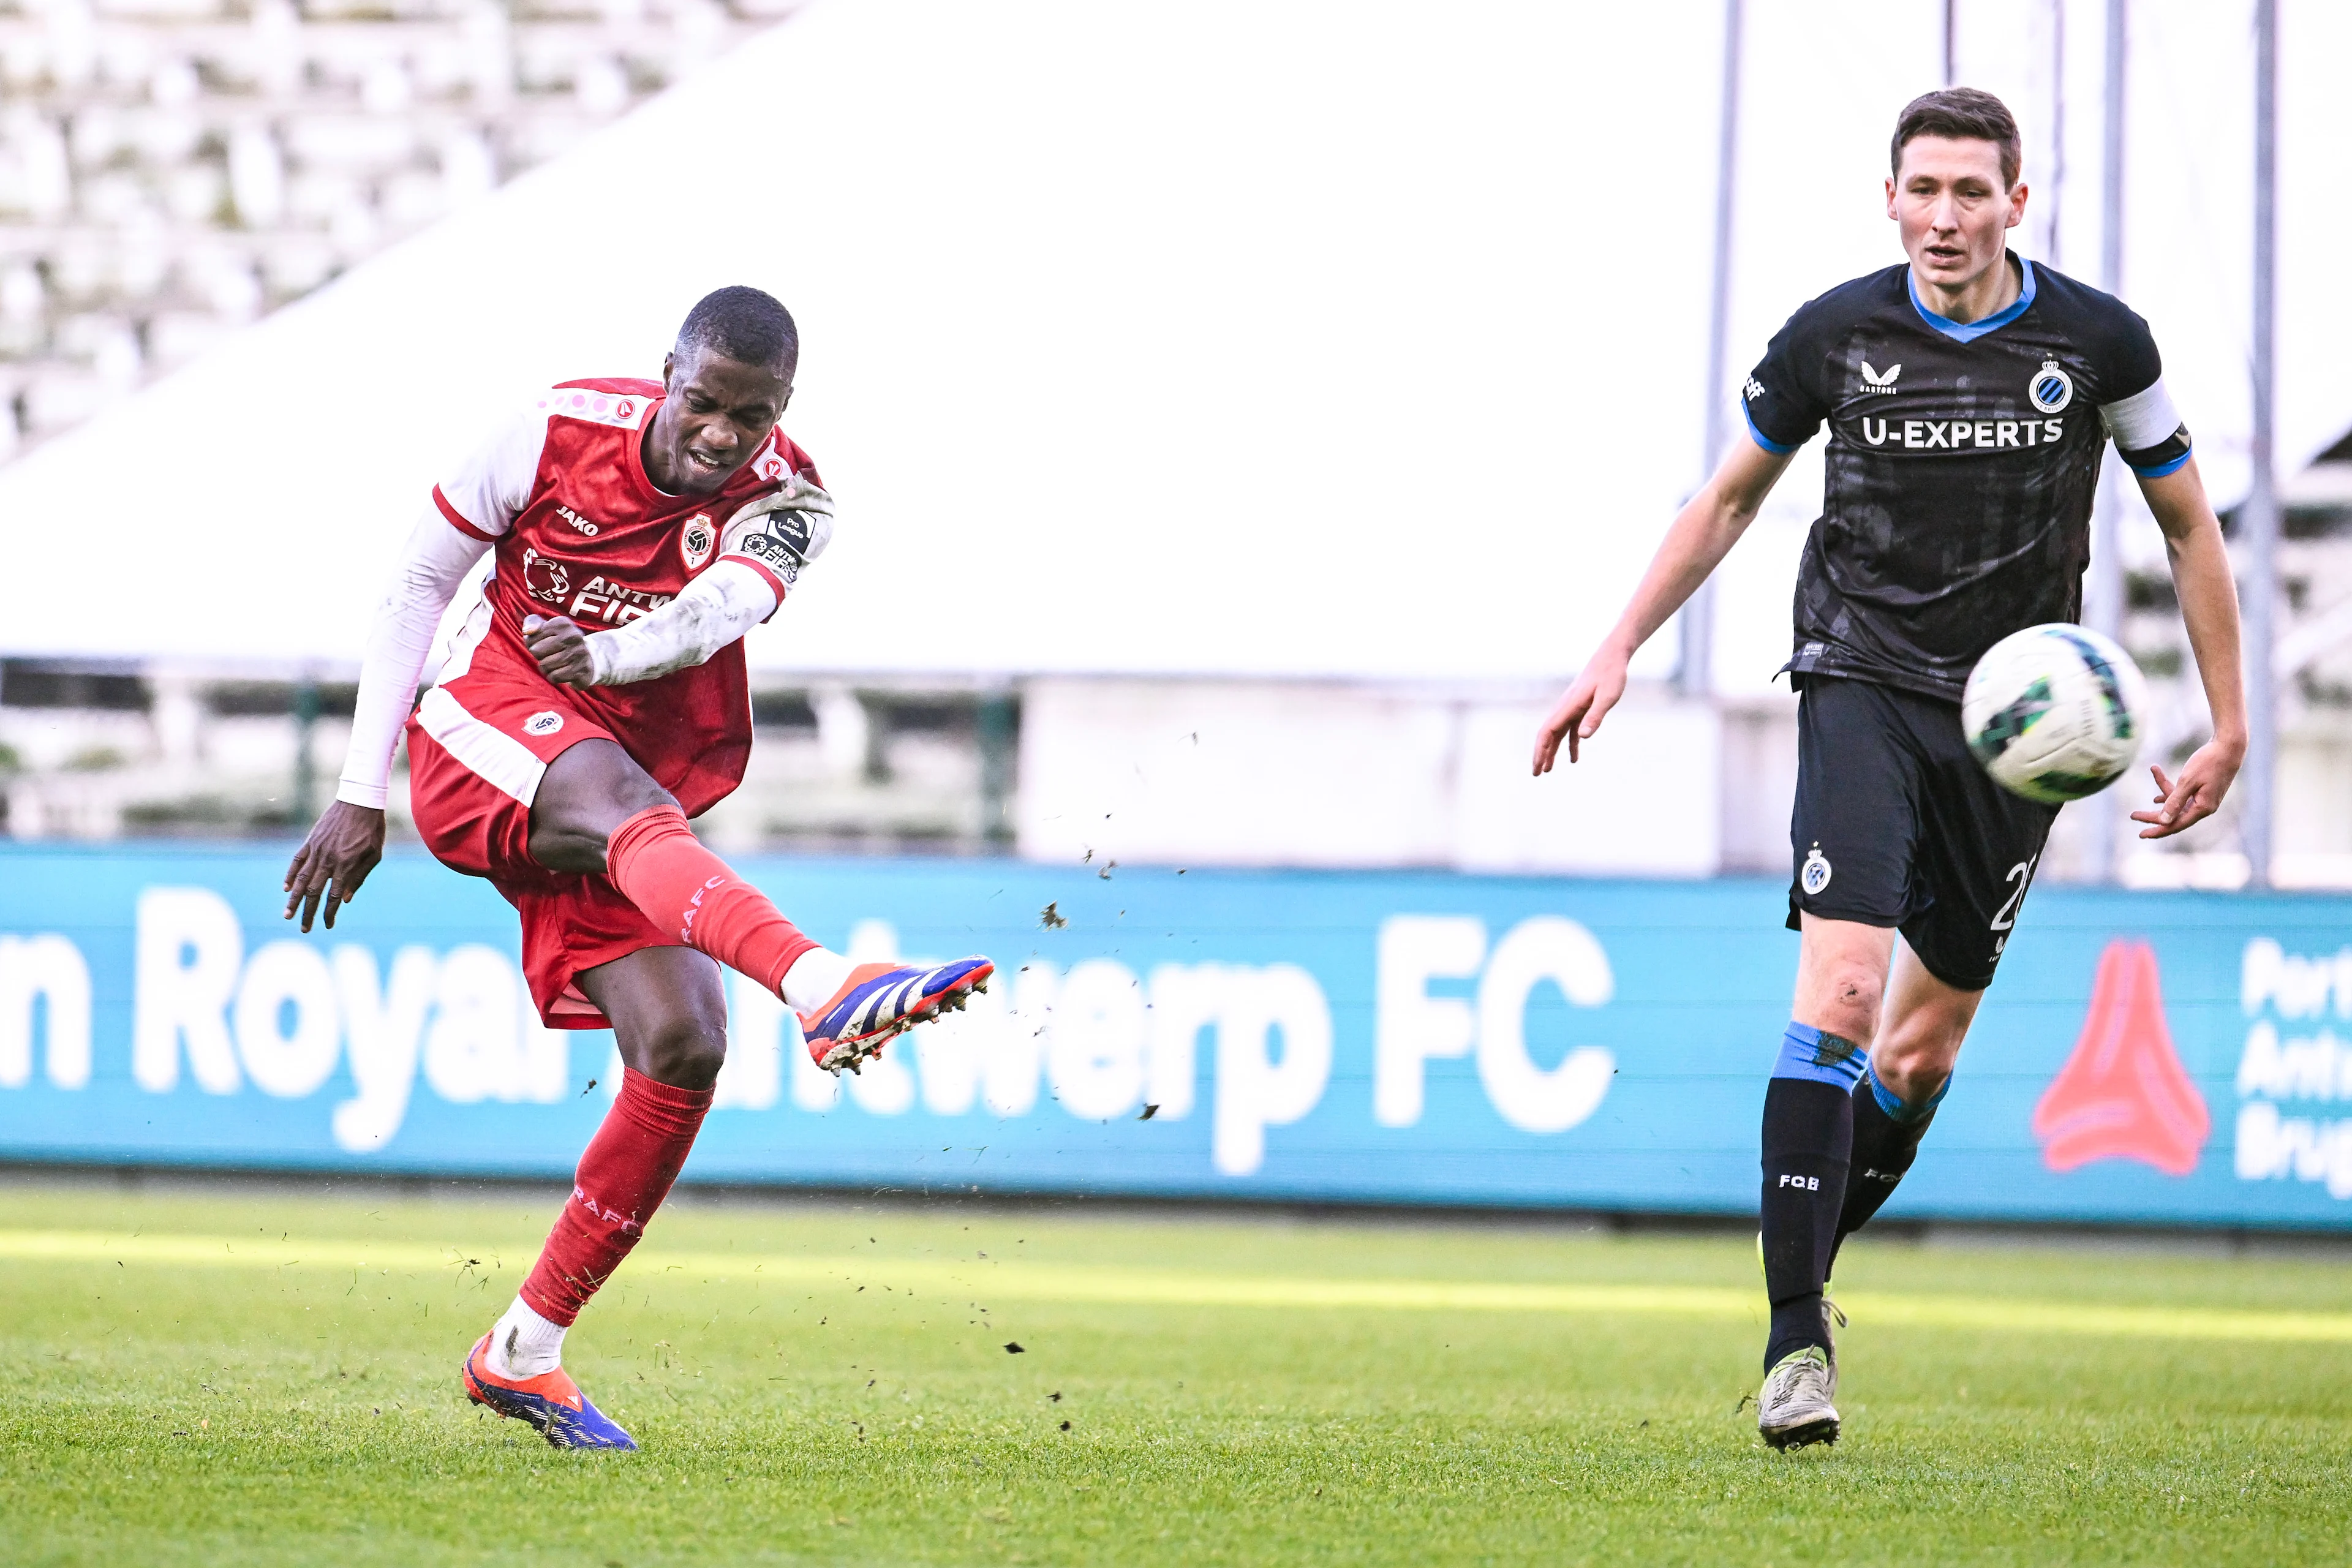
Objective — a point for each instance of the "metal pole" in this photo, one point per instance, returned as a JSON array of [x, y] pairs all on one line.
[[2260, 515], [2057, 185], [998, 720], [306, 769], [1951, 43], [2103, 597], [2111, 226], [1696, 674]]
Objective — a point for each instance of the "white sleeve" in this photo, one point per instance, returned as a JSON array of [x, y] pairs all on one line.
[[484, 492], [432, 564], [716, 609], [778, 534]]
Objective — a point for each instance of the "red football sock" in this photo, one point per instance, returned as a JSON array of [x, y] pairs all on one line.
[[624, 1177], [655, 860]]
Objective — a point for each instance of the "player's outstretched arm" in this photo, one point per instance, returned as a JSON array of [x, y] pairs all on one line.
[[2209, 603], [1702, 534]]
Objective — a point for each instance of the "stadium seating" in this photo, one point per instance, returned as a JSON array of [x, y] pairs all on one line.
[[171, 168]]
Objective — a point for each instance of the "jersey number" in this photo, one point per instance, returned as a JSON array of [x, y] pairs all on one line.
[[2022, 874]]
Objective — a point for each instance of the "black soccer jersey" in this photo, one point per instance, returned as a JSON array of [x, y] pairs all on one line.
[[1961, 466]]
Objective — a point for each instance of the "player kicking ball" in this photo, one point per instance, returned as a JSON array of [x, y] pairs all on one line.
[[593, 701], [1969, 396]]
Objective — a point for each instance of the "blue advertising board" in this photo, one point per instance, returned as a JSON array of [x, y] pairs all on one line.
[[1392, 1038]]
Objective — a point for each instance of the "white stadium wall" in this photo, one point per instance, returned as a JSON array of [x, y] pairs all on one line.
[[1334, 775]]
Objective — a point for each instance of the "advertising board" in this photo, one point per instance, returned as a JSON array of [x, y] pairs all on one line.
[[1399, 1038]]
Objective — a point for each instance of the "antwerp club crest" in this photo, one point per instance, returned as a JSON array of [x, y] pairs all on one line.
[[696, 540], [2124, 1095]]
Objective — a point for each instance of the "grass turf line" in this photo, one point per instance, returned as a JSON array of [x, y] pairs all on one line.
[[1140, 1287], [305, 1408]]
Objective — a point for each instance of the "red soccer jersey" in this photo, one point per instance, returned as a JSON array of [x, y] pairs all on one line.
[[580, 531]]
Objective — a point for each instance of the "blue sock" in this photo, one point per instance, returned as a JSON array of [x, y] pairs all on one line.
[[1809, 1053], [1903, 1115]]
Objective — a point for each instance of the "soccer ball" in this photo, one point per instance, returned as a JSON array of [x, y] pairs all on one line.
[[2054, 712]]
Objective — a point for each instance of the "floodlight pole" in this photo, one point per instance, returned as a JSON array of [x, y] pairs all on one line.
[[1695, 671], [2111, 172], [2057, 185], [2103, 596], [2260, 516]]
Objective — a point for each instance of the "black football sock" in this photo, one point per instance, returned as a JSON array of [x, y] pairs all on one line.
[[1886, 1134], [1808, 1143]]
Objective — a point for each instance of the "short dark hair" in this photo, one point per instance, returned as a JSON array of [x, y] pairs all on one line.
[[1964, 114], [745, 324]]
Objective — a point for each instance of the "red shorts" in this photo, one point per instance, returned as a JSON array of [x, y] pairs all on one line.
[[475, 758]]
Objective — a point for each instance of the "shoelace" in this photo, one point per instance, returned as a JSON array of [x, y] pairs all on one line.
[[1781, 1386]]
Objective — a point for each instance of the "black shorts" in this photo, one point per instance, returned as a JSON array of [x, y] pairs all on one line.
[[1896, 825]]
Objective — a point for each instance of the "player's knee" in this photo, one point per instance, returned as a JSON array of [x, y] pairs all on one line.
[[1848, 1001], [1913, 1065], [592, 816], [685, 1053], [573, 833], [587, 793]]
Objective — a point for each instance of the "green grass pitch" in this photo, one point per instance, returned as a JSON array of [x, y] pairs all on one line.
[[255, 1378]]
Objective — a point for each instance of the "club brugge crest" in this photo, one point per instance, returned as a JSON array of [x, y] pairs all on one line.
[[2052, 389], [1815, 876], [696, 539]]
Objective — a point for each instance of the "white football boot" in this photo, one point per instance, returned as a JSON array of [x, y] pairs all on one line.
[[1832, 1319], [1793, 1408]]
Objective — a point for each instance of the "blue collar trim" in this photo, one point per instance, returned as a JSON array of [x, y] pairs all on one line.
[[1969, 331]]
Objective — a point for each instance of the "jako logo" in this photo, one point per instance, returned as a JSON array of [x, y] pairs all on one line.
[[1873, 380], [2124, 1095]]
